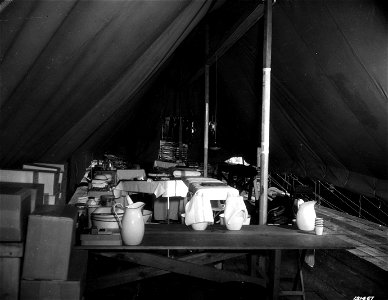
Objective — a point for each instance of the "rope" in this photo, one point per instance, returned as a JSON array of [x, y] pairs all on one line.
[[375, 205]]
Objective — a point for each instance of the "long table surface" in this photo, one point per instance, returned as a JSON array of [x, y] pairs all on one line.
[[217, 237]]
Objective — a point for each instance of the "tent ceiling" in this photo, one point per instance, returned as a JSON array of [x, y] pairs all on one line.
[[100, 75]]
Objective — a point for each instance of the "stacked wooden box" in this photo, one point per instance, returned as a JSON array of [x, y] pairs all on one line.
[[11, 255], [51, 269], [15, 206], [53, 176], [61, 169]]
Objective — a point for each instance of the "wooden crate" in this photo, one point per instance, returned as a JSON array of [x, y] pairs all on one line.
[[15, 203], [70, 289], [36, 189], [10, 265], [48, 178], [50, 238], [61, 169]]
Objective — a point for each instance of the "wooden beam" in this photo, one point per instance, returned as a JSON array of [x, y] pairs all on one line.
[[239, 30], [144, 272], [189, 269]]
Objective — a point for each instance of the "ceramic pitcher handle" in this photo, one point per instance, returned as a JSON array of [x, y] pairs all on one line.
[[114, 212]]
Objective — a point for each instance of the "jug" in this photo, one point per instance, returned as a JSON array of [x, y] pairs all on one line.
[[236, 220], [132, 224], [235, 213], [305, 217]]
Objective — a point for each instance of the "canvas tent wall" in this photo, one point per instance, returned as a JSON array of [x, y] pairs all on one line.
[[82, 76]]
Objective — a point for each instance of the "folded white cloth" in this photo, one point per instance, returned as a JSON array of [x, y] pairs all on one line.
[[233, 205], [198, 209], [97, 183], [183, 173]]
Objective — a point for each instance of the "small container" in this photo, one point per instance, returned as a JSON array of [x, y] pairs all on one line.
[[318, 226], [107, 200], [319, 230], [147, 216], [81, 219], [222, 219], [183, 218]]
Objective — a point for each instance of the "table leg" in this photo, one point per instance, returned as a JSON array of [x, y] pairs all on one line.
[[274, 273], [168, 210]]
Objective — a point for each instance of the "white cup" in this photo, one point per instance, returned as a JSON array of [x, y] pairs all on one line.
[[183, 218], [222, 219], [318, 230]]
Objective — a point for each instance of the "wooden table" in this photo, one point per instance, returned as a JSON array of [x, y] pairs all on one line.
[[161, 189], [219, 244]]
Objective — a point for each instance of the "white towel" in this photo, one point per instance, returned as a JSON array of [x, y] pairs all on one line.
[[198, 209], [233, 205], [186, 173]]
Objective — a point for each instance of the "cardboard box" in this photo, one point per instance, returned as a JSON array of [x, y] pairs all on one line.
[[15, 206], [51, 199], [36, 190], [10, 267], [9, 277], [11, 249], [63, 171], [37, 166], [50, 238], [72, 288], [49, 179]]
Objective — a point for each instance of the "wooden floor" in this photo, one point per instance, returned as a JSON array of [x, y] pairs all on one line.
[[336, 274], [370, 239]]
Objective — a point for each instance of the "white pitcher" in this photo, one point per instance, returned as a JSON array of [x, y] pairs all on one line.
[[236, 220], [235, 213], [305, 217], [132, 224]]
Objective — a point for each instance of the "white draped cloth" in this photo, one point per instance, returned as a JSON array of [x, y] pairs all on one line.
[[199, 208]]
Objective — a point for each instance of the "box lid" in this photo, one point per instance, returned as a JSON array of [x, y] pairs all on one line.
[[58, 211]]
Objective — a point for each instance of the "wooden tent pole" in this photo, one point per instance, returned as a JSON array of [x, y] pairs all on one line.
[[206, 133], [206, 125], [265, 113]]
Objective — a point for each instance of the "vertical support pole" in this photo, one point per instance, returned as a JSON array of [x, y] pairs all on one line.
[[265, 113], [274, 273], [206, 125], [168, 210], [180, 139]]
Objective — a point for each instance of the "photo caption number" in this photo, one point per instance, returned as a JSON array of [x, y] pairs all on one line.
[[363, 298]]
